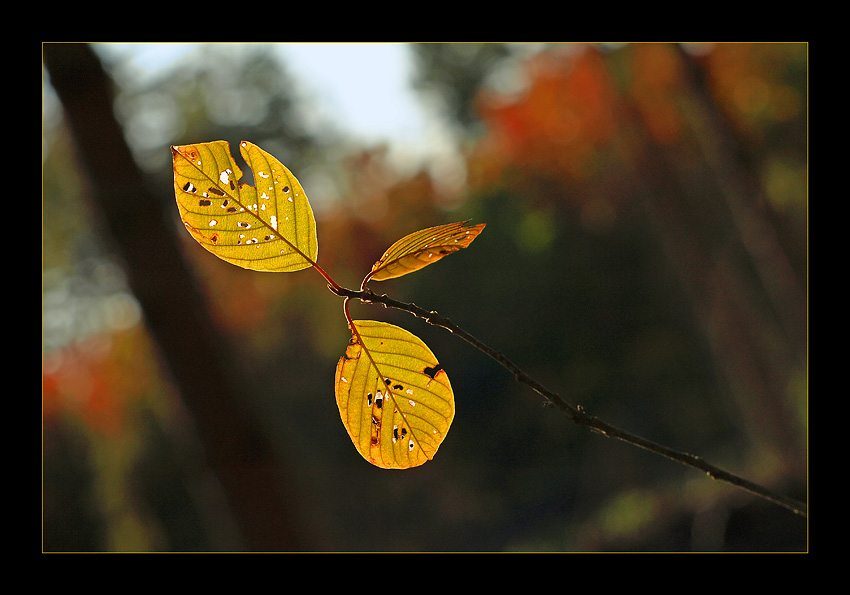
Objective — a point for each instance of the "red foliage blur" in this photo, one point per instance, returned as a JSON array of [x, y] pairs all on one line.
[[565, 114]]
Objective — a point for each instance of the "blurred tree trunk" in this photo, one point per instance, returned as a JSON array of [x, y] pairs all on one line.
[[174, 310], [721, 242]]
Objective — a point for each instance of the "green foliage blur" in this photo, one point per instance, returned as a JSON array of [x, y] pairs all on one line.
[[645, 256]]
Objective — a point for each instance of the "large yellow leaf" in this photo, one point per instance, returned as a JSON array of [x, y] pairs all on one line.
[[265, 227], [421, 248], [394, 398]]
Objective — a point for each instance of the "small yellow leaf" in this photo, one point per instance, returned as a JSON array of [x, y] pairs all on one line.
[[394, 398], [265, 227], [421, 248]]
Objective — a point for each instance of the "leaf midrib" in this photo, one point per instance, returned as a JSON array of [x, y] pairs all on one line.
[[389, 390], [228, 194]]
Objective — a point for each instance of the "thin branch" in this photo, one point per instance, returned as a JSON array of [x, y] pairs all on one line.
[[576, 413]]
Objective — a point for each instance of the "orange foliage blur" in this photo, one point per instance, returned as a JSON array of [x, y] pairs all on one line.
[[655, 86], [98, 380], [749, 80], [557, 123]]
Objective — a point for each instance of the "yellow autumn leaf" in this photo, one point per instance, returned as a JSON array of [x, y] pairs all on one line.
[[419, 249], [265, 227], [394, 398]]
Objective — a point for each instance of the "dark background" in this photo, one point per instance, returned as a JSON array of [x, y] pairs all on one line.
[[645, 257]]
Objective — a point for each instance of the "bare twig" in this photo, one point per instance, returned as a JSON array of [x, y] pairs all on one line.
[[575, 412]]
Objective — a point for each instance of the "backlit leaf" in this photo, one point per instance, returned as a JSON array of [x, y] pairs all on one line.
[[394, 398], [422, 248], [265, 227]]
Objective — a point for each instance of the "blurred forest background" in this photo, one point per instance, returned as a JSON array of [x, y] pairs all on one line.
[[645, 257]]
